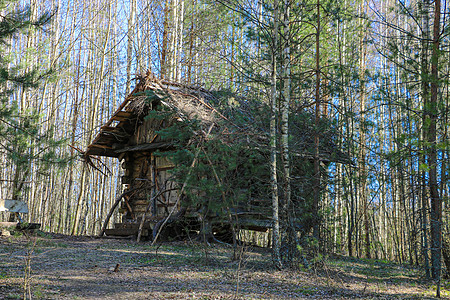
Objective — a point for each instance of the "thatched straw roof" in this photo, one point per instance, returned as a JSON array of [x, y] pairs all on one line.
[[186, 102]]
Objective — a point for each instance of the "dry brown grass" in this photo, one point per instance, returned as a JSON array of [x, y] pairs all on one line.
[[65, 267]]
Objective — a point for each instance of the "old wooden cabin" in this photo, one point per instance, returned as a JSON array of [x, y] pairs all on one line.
[[131, 136]]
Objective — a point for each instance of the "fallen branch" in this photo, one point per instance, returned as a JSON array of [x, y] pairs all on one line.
[[111, 211]]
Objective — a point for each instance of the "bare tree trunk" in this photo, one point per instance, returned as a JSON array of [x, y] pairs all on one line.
[[432, 114], [165, 41], [130, 42], [362, 141], [284, 107], [422, 158], [173, 40], [316, 179], [273, 144], [79, 202], [180, 41]]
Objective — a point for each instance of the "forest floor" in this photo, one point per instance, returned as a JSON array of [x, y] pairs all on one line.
[[66, 267]]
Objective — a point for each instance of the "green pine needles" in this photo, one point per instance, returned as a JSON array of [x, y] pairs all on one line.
[[25, 139]]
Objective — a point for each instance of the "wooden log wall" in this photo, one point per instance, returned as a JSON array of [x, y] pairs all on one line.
[[149, 175], [146, 132]]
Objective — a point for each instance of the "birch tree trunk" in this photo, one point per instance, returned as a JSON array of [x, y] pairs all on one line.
[[179, 58], [286, 99], [130, 42], [362, 140], [173, 40], [165, 41], [273, 144]]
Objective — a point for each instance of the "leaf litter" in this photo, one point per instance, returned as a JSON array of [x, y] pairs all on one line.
[[67, 267]]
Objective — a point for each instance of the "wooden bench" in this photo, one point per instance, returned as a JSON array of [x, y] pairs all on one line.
[[16, 207]]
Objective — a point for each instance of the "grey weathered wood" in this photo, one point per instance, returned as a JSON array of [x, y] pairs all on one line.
[[144, 147], [15, 206]]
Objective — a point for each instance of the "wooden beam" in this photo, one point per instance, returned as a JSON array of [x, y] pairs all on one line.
[[113, 136], [101, 152], [108, 128], [118, 118], [165, 204], [99, 146], [123, 114], [144, 147]]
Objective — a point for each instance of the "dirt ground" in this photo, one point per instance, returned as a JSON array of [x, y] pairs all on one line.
[[65, 267]]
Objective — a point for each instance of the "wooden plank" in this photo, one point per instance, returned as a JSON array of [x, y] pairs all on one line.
[[123, 114], [140, 202], [108, 128], [139, 209], [163, 163], [114, 133], [158, 189], [118, 118], [144, 147], [124, 103], [124, 232], [99, 146], [110, 137], [101, 152], [164, 169], [165, 204], [134, 226]]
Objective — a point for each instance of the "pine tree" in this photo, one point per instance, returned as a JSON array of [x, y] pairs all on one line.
[[23, 140]]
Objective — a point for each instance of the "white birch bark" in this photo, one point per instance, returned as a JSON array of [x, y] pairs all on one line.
[[273, 144], [286, 99], [179, 58], [130, 43]]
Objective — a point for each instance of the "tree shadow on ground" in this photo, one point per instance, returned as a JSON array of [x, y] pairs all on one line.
[[71, 268]]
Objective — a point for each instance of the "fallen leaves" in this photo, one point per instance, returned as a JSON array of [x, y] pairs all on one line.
[[109, 269]]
